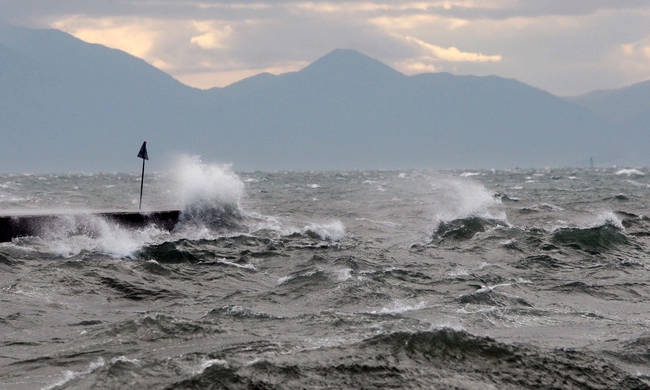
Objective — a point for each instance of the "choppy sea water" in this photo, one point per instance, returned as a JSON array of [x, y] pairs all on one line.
[[413, 279]]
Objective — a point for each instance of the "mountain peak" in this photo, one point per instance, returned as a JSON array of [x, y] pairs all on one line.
[[350, 62]]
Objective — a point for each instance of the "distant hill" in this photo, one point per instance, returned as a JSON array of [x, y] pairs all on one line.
[[619, 104], [67, 105], [628, 109]]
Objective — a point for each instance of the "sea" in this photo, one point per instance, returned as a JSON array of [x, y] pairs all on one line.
[[412, 279]]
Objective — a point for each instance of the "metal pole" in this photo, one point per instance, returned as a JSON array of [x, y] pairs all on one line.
[[141, 185]]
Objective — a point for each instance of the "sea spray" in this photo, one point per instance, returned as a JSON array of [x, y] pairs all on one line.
[[330, 231], [71, 235], [462, 198], [210, 195], [198, 182]]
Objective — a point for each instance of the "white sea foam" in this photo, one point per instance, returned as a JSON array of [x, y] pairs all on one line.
[[331, 231], [342, 274], [630, 172], [198, 182], [398, 306], [205, 363], [210, 195], [69, 375], [386, 223], [124, 359], [456, 198], [72, 234], [314, 186], [469, 174], [606, 217], [285, 279], [447, 325], [591, 221], [460, 271], [205, 191], [243, 266]]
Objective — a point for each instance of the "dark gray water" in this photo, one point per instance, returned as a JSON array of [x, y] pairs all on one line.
[[468, 280]]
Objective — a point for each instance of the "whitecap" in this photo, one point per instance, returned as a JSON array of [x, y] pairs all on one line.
[[205, 363], [230, 263], [73, 234], [398, 306], [331, 231], [455, 198], [342, 274], [69, 375], [630, 172]]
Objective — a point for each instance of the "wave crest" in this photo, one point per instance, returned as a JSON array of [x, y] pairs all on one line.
[[592, 239], [464, 228], [210, 195]]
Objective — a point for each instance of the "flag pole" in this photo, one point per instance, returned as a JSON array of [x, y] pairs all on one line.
[[144, 156], [141, 185]]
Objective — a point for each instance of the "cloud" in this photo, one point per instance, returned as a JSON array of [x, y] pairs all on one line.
[[633, 59], [211, 35], [566, 47], [368, 6], [135, 37], [226, 77], [416, 65], [409, 22], [452, 53], [638, 50]]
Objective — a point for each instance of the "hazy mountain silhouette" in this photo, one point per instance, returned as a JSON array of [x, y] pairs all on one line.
[[628, 109], [69, 105]]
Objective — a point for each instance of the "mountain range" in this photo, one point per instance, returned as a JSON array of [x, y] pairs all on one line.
[[67, 105]]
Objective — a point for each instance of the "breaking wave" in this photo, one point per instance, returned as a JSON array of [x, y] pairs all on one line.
[[605, 234], [210, 195], [71, 235], [331, 231], [464, 200], [630, 172], [465, 228]]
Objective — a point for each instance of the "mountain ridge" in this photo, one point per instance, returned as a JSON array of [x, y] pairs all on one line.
[[345, 110]]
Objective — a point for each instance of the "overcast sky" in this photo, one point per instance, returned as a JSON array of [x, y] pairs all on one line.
[[564, 46]]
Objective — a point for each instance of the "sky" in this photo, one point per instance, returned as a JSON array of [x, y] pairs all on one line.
[[566, 47]]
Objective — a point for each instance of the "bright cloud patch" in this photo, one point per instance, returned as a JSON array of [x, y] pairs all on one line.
[[134, 37], [211, 35], [409, 22], [634, 59], [452, 53], [369, 6], [411, 66], [225, 77], [639, 50], [207, 43]]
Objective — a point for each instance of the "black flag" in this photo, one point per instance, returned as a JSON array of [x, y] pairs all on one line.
[[144, 156], [143, 151]]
